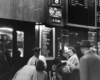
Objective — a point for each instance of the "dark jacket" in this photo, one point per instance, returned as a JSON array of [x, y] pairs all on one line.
[[4, 68], [90, 66]]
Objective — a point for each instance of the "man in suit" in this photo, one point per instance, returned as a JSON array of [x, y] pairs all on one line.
[[89, 63]]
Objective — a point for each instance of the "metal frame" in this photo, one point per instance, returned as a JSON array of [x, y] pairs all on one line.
[[47, 58]]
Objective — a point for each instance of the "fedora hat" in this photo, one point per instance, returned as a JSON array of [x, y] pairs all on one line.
[[85, 43]]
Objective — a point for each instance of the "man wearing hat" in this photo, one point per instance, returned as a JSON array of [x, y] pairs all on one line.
[[89, 63]]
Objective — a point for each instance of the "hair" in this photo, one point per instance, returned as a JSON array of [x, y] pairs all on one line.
[[73, 49], [57, 60], [40, 65], [36, 49], [61, 52]]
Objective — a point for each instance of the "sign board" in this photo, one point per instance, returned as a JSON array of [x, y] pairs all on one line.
[[55, 12], [98, 13], [55, 16], [47, 42], [78, 12], [56, 20], [56, 2], [81, 12]]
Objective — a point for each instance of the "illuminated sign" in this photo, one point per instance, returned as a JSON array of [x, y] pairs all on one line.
[[55, 12], [55, 20], [56, 2]]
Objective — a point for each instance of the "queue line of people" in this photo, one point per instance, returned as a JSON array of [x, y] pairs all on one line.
[[87, 68]]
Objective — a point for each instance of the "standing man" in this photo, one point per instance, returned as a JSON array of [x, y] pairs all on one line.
[[89, 63], [36, 56]]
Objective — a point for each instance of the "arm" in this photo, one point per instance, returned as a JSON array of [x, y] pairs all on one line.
[[46, 76], [30, 61], [83, 69]]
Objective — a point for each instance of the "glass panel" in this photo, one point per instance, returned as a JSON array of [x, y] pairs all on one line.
[[92, 38], [69, 38], [20, 42], [63, 42], [6, 42]]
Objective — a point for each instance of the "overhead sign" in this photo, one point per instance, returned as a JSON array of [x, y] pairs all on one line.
[[56, 20], [56, 2], [55, 12]]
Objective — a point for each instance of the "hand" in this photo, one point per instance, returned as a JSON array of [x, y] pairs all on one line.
[[68, 64], [66, 69]]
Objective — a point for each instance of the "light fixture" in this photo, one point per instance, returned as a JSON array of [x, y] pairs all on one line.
[[5, 28]]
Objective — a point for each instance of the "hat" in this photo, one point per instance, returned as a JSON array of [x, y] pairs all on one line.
[[85, 43], [36, 49]]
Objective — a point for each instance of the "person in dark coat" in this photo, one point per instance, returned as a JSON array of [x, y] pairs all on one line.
[[5, 73], [61, 55], [89, 63]]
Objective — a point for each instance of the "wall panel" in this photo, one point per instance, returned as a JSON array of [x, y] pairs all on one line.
[[25, 10]]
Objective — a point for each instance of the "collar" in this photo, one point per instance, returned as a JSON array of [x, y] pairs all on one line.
[[88, 51]]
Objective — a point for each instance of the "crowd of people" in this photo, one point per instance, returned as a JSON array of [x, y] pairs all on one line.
[[85, 68], [72, 68]]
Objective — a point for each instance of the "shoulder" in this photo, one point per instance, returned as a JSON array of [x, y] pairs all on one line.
[[42, 58], [45, 72], [32, 58], [84, 59], [74, 57]]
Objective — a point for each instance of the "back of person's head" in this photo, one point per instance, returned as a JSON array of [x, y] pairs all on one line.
[[57, 60], [61, 52], [41, 57], [36, 50], [40, 65], [73, 49], [75, 74]]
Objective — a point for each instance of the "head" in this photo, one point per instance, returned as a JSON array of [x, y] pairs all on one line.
[[61, 52], [84, 49], [41, 57], [71, 51], [36, 51], [40, 65], [57, 60], [85, 46]]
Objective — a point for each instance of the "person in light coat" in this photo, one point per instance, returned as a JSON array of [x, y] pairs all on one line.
[[73, 60]]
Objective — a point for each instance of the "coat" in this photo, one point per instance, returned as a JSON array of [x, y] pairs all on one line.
[[73, 60], [29, 72], [90, 66], [5, 72]]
